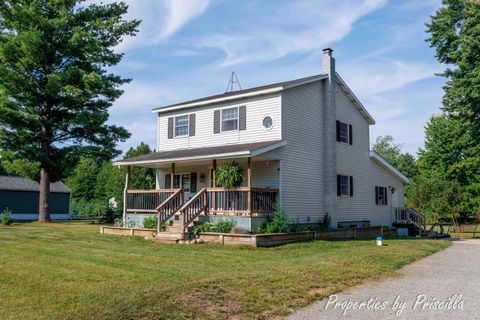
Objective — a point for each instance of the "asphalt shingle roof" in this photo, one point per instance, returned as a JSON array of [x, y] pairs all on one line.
[[239, 92], [23, 184], [198, 152]]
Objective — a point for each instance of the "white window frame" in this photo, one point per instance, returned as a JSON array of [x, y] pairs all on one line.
[[175, 126], [348, 132], [237, 119], [348, 186]]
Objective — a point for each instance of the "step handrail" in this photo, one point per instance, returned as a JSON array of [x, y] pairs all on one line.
[[164, 204], [188, 217]]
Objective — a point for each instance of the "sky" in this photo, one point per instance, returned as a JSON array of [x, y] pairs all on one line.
[[187, 49]]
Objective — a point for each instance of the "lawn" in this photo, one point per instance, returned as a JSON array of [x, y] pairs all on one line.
[[61, 271]]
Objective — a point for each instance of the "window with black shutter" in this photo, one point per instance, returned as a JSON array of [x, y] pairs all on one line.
[[344, 132]]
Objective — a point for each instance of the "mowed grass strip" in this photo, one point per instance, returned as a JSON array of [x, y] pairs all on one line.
[[60, 271]]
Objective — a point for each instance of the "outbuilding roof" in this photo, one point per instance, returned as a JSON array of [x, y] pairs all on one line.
[[11, 183]]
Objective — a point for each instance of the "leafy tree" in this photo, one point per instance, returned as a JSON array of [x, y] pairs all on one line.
[[55, 90], [18, 167], [438, 198], [141, 178], [390, 151], [452, 145], [455, 34], [83, 180]]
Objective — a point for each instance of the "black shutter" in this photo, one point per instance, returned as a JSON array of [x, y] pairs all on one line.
[[168, 184], [351, 186], [338, 130], [376, 195], [193, 182], [339, 191], [216, 121], [350, 134], [385, 195], [242, 118], [191, 125], [170, 128]]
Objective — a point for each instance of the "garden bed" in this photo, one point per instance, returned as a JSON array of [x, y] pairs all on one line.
[[275, 239]]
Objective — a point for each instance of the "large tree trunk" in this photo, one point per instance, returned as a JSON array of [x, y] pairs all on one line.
[[44, 210]]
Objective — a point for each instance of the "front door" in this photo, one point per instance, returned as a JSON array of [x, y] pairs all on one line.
[[187, 181]]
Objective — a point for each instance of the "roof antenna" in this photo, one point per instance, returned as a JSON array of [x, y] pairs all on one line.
[[231, 83]]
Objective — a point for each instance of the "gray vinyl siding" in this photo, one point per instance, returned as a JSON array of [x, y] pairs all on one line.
[[26, 202], [302, 170], [354, 160]]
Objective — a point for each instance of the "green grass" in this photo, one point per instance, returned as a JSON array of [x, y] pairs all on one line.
[[60, 271]]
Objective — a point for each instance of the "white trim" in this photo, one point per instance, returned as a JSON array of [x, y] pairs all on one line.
[[355, 100], [268, 148], [238, 118], [385, 164], [210, 101], [175, 125], [240, 96], [239, 154]]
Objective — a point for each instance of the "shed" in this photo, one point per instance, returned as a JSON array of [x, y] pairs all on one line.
[[21, 196]]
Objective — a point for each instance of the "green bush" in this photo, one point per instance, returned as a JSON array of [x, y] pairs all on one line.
[[7, 217], [223, 226], [230, 175], [277, 223], [96, 209], [150, 222]]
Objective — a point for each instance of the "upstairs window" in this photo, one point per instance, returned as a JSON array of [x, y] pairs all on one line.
[[181, 126], [381, 196], [344, 186], [230, 119], [344, 132]]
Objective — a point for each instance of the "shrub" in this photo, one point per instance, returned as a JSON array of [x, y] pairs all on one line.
[[277, 223], [150, 222], [230, 175], [7, 217], [201, 227], [96, 209], [223, 226]]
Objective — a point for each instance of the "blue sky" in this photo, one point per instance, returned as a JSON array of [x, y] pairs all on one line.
[[187, 49]]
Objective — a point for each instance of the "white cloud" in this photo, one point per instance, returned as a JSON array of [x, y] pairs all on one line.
[[299, 26], [160, 19], [377, 77]]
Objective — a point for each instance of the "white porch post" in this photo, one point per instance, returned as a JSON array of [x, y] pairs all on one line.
[[125, 194]]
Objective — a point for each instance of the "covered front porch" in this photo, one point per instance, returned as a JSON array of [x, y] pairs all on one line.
[[187, 190]]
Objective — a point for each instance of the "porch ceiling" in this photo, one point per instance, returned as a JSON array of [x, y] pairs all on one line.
[[158, 159]]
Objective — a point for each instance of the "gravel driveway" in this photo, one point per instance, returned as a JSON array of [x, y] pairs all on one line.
[[445, 285]]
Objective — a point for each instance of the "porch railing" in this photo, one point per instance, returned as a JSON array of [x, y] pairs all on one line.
[[241, 201], [169, 207], [146, 201], [410, 215]]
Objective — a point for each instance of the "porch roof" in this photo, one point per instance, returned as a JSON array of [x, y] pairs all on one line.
[[205, 153]]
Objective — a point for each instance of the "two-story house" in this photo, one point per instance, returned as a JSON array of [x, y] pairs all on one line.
[[303, 143]]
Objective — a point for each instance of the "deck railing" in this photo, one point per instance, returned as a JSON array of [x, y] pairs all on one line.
[[169, 207], [146, 201], [410, 215], [241, 201]]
